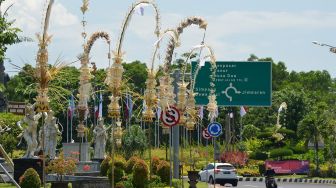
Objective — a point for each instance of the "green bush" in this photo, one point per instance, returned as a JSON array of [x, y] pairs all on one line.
[[299, 149], [264, 135], [280, 152], [120, 162], [163, 170], [120, 185], [8, 139], [119, 167], [258, 155], [130, 164], [118, 174], [286, 132], [249, 131], [140, 174], [104, 166], [155, 164], [247, 172], [156, 182], [312, 168], [134, 140], [327, 171], [30, 179], [200, 165], [176, 183], [128, 182]]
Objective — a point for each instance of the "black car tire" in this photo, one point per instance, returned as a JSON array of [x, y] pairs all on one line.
[[234, 184]]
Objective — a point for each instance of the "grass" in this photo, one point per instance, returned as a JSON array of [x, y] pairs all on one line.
[[9, 185], [6, 185]]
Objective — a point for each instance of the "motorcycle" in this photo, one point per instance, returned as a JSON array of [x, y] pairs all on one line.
[[270, 182]]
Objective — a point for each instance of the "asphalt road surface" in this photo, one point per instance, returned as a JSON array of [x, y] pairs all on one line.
[[247, 184]]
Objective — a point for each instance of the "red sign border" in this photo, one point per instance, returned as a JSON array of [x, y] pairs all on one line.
[[178, 119], [207, 133]]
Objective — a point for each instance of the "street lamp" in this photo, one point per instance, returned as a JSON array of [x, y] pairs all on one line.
[[331, 48]]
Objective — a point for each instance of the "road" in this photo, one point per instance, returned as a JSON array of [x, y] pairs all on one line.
[[280, 185]]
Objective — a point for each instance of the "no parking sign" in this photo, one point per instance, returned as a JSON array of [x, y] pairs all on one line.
[[206, 134], [171, 117]]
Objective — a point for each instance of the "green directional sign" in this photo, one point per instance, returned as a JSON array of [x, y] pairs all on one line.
[[237, 83]]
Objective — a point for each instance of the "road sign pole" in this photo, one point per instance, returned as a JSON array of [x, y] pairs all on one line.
[[170, 158], [176, 130], [214, 144]]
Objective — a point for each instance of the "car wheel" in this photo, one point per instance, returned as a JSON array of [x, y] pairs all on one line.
[[234, 184], [211, 180]]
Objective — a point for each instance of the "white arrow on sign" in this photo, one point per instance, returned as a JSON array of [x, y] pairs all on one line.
[[171, 117]]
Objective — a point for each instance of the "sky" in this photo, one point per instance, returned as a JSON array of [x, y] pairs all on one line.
[[283, 30]]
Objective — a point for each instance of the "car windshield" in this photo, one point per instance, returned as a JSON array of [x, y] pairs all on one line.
[[225, 167]]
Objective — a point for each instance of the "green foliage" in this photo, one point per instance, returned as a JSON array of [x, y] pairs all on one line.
[[30, 179], [155, 164], [9, 142], [22, 87], [119, 162], [298, 149], [130, 164], [136, 74], [9, 139], [119, 168], [286, 132], [280, 152], [250, 131], [156, 182], [104, 166], [120, 185], [163, 170], [176, 183], [246, 172], [118, 174], [8, 34], [258, 155], [140, 174], [265, 135], [134, 140], [253, 144]]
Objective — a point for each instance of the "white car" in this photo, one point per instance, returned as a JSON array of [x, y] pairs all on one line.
[[221, 173]]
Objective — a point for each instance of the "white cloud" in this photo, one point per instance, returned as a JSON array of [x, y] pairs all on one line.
[[28, 15]]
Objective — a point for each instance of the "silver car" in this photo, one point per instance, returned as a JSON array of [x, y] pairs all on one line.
[[221, 173]]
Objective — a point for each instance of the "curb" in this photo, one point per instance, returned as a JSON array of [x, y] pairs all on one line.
[[294, 180]]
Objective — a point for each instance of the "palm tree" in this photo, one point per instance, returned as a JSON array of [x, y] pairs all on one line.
[[313, 126]]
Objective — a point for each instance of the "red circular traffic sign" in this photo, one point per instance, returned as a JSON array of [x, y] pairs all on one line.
[[206, 134], [171, 117]]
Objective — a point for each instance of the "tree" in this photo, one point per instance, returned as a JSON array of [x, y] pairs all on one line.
[[136, 74], [134, 140], [8, 33], [313, 127], [250, 131], [279, 71], [296, 101]]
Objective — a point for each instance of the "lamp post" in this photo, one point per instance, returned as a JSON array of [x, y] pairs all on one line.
[[331, 48]]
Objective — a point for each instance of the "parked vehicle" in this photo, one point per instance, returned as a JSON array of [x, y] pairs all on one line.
[[221, 173]]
